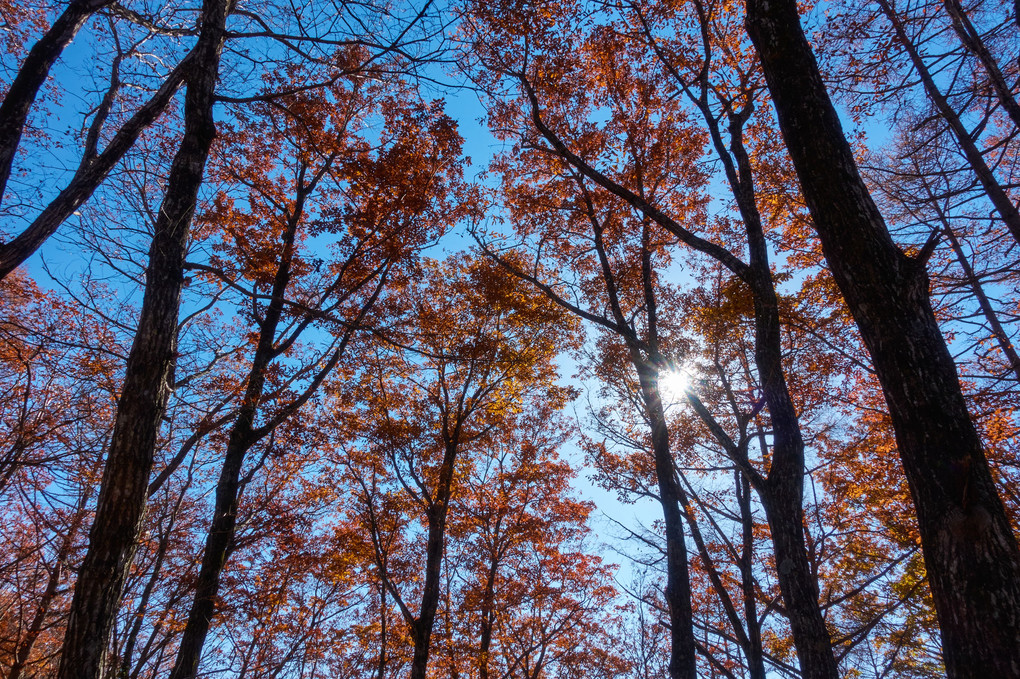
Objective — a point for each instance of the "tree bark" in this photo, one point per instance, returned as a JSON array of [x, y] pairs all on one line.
[[148, 376], [782, 490], [749, 640], [23, 652], [755, 651], [970, 551], [242, 437]]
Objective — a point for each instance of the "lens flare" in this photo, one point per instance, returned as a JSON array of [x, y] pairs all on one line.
[[672, 385]]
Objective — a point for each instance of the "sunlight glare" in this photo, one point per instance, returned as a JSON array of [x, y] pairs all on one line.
[[672, 385]]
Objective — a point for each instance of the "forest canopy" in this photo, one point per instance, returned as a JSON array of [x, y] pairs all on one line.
[[705, 366]]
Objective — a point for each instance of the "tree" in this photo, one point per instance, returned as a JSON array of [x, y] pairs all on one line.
[[652, 130], [311, 445], [59, 394], [456, 375], [122, 495], [970, 551], [343, 190], [515, 511]]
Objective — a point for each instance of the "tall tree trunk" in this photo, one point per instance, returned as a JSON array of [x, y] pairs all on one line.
[[487, 618], [682, 659], [244, 434], [755, 652], [782, 493], [437, 512], [785, 483], [24, 649], [381, 664], [156, 574], [31, 76], [744, 637], [970, 551], [242, 437], [782, 490], [149, 370], [218, 542]]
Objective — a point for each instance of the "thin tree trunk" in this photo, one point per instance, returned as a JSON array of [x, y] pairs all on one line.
[[971, 39], [782, 489], [755, 665], [782, 493], [218, 542], [487, 618], [381, 665], [24, 649], [142, 606], [244, 434], [33, 72], [647, 361], [682, 659], [970, 551], [242, 437], [785, 483], [992, 188], [121, 504], [755, 653], [437, 512]]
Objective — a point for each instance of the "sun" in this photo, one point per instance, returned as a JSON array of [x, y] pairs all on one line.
[[672, 386]]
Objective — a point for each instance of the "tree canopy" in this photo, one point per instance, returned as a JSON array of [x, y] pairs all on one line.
[[708, 370]]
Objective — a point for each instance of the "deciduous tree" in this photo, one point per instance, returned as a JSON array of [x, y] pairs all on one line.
[[971, 553]]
